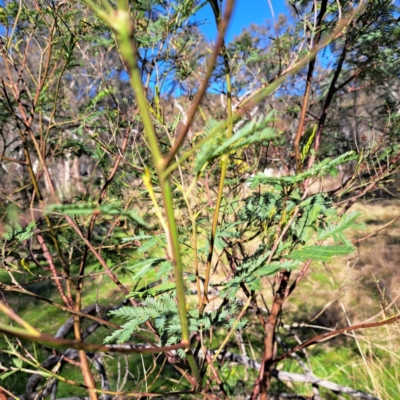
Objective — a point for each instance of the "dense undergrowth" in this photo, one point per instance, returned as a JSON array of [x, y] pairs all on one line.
[[340, 292], [209, 229]]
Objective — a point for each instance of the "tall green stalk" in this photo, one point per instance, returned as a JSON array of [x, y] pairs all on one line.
[[122, 25], [224, 159]]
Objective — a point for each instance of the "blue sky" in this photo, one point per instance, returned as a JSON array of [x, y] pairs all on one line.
[[245, 13]]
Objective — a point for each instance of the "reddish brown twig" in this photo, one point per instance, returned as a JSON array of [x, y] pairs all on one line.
[[328, 335]]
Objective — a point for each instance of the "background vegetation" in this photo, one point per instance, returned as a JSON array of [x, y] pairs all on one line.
[[184, 218]]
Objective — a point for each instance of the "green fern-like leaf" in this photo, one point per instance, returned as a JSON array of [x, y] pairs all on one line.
[[141, 268], [346, 221], [326, 166], [206, 152], [273, 267], [88, 209], [252, 132], [320, 253]]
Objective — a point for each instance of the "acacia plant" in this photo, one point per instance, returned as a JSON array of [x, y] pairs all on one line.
[[133, 206]]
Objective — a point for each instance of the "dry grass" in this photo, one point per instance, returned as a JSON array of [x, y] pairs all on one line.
[[369, 277], [362, 287]]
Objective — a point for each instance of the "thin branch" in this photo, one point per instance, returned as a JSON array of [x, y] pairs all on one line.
[[203, 87], [325, 336], [392, 221], [295, 377], [306, 96]]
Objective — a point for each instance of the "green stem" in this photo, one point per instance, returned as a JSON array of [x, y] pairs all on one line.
[[122, 25], [224, 162]]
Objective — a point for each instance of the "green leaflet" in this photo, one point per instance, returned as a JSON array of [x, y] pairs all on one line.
[[142, 236], [163, 312], [7, 374], [154, 291], [207, 150], [147, 245], [345, 222], [326, 166], [164, 269], [88, 209], [251, 272], [310, 141], [18, 232], [320, 253], [273, 267], [254, 131], [141, 268], [102, 94]]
